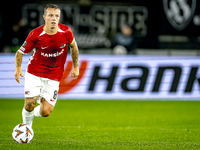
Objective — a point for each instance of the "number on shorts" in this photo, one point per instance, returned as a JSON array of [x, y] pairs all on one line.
[[55, 94]]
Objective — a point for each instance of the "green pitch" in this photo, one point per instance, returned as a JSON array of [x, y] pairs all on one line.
[[107, 125]]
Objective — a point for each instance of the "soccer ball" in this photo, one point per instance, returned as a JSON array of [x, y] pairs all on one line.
[[22, 133]]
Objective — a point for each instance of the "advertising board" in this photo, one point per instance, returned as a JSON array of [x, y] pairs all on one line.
[[117, 77]]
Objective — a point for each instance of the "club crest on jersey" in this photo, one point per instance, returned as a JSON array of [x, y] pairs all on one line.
[[179, 12], [27, 92], [63, 45]]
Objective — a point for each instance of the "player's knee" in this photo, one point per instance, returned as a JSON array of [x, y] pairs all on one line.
[[46, 112], [29, 104], [46, 108]]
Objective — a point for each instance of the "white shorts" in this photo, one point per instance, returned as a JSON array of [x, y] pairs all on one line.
[[42, 87]]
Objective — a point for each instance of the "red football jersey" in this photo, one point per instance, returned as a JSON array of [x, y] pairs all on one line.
[[50, 51]]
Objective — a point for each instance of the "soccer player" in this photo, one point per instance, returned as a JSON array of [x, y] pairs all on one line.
[[49, 43]]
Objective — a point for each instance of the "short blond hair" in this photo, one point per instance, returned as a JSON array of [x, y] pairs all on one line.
[[50, 6]]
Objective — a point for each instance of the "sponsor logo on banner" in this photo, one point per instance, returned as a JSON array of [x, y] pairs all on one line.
[[176, 72], [179, 12], [67, 83], [133, 79]]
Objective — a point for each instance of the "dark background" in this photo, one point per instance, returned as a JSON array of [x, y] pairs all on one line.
[[13, 34]]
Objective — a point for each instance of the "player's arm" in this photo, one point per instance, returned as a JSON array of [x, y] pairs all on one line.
[[75, 58], [18, 62], [26, 48]]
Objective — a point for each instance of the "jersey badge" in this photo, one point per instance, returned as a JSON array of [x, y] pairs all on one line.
[[63, 45], [27, 92], [24, 44]]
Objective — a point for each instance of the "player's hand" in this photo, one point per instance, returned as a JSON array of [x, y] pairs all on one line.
[[18, 72], [75, 73]]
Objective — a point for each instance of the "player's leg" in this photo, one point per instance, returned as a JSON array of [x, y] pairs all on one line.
[[32, 91], [49, 98], [30, 103], [37, 111], [27, 112], [45, 108]]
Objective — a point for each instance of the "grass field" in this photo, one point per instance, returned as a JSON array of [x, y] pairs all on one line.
[[83, 124]]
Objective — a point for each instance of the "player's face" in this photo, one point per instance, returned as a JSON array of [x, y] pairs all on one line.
[[52, 17]]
